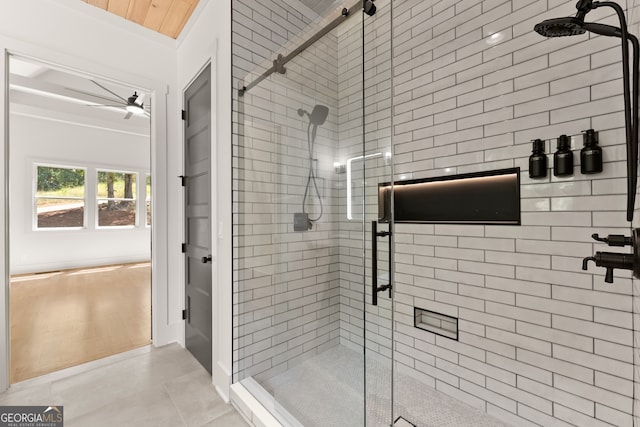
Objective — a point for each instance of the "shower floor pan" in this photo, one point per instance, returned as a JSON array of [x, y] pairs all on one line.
[[326, 390]]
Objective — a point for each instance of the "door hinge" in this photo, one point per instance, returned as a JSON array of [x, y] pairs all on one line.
[[184, 314], [184, 248], [183, 180], [183, 115]]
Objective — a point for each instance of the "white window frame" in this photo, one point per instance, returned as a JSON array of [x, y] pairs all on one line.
[[34, 199]]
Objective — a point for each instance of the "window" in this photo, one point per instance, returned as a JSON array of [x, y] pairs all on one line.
[[116, 196], [86, 198], [59, 197], [148, 200]]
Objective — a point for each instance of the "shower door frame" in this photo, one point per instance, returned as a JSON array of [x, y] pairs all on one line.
[[388, 217]]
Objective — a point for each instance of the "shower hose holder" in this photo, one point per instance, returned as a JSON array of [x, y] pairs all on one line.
[[613, 260]]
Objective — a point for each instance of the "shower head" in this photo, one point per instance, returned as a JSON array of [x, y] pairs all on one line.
[[560, 27], [318, 114], [570, 26]]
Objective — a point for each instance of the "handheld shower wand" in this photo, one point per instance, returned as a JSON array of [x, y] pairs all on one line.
[[317, 117], [570, 26]]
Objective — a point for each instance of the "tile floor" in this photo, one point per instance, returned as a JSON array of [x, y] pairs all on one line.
[[304, 394], [145, 387]]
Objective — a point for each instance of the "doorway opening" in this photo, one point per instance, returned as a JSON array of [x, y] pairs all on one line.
[[80, 218]]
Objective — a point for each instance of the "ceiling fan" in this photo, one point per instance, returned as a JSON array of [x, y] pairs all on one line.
[[133, 104]]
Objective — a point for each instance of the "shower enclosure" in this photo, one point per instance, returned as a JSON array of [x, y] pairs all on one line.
[[344, 317], [312, 148]]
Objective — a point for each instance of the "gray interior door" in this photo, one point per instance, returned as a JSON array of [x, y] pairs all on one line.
[[197, 154]]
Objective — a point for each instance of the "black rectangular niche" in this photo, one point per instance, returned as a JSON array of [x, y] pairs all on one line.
[[489, 197]]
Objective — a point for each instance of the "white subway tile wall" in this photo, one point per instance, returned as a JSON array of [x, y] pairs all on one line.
[[286, 282], [541, 342]]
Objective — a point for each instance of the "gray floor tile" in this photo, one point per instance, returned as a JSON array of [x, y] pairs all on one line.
[[229, 419], [162, 387], [153, 409], [195, 398], [34, 395]]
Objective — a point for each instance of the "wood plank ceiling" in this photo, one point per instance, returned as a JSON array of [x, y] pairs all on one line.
[[167, 17]]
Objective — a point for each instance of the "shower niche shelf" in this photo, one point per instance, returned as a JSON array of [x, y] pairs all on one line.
[[488, 197], [437, 323]]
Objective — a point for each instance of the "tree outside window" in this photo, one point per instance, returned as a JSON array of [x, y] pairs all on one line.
[[59, 198], [116, 197]]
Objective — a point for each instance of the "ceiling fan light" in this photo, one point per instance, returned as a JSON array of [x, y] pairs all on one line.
[[135, 108]]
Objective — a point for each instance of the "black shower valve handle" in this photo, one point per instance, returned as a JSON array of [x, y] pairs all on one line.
[[608, 277], [614, 240], [610, 261], [613, 260]]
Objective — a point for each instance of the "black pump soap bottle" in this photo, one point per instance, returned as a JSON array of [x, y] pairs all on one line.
[[591, 154], [563, 158], [538, 160]]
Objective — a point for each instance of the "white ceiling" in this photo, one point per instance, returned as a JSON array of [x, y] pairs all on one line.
[[44, 91]]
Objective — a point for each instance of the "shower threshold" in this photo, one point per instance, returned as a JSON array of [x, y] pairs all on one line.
[[326, 390]]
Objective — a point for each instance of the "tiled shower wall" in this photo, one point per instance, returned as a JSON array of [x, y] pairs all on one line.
[[286, 289], [541, 341]]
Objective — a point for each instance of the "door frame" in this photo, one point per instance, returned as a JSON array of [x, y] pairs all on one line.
[[163, 331]]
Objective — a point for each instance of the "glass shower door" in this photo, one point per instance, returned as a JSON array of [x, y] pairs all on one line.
[[378, 211], [378, 287], [312, 242]]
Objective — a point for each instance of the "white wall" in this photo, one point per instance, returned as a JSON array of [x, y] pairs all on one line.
[[208, 39], [39, 140], [85, 38]]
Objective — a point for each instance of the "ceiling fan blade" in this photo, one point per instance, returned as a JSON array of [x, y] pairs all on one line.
[[104, 105], [109, 90], [129, 114], [92, 94]]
